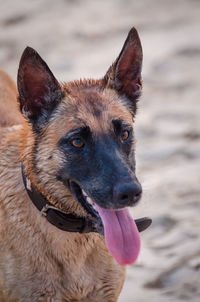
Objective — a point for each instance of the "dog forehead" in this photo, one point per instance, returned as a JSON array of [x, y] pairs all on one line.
[[92, 107], [96, 108]]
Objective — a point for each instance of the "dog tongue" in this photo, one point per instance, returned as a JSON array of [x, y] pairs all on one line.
[[121, 235]]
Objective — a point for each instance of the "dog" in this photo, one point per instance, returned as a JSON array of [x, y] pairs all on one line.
[[67, 178]]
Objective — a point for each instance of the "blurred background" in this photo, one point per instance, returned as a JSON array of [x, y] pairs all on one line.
[[81, 39]]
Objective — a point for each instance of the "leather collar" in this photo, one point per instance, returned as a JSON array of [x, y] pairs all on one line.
[[70, 222], [60, 219]]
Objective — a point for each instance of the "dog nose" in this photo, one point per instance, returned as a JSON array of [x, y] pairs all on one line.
[[127, 194]]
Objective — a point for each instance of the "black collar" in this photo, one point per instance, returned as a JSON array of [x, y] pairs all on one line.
[[69, 222], [61, 220]]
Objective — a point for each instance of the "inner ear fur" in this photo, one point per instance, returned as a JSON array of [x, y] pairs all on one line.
[[39, 91], [124, 75]]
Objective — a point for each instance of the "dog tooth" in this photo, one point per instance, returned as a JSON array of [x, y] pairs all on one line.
[[84, 193], [88, 199]]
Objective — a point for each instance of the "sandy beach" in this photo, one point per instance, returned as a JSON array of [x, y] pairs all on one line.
[[81, 39]]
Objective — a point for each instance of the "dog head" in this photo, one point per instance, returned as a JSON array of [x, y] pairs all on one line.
[[82, 137]]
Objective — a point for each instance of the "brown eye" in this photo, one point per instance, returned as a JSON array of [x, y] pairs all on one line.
[[78, 143], [124, 135]]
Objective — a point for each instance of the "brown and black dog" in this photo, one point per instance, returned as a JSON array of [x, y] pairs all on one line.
[[73, 152]]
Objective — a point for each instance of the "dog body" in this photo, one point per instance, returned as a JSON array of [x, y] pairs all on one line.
[[39, 262], [76, 135]]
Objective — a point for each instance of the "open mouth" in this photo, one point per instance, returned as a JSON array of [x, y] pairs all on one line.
[[120, 230], [85, 201]]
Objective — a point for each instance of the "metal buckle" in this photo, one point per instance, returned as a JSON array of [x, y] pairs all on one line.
[[44, 210]]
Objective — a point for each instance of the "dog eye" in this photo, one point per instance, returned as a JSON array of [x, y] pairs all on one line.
[[124, 135], [77, 142]]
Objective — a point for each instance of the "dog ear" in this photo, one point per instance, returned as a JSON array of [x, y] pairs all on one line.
[[39, 91], [125, 74]]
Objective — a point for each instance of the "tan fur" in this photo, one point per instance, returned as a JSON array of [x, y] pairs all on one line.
[[9, 114], [38, 262]]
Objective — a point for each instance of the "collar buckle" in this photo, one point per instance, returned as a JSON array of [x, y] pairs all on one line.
[[44, 210]]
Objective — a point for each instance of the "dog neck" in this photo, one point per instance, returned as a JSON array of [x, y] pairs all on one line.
[[61, 220]]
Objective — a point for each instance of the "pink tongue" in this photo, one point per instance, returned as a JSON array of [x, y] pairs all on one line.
[[121, 235]]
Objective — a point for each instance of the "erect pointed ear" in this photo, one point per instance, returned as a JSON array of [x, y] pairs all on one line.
[[39, 91], [125, 74]]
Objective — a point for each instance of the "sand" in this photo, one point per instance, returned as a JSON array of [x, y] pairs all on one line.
[[81, 39]]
